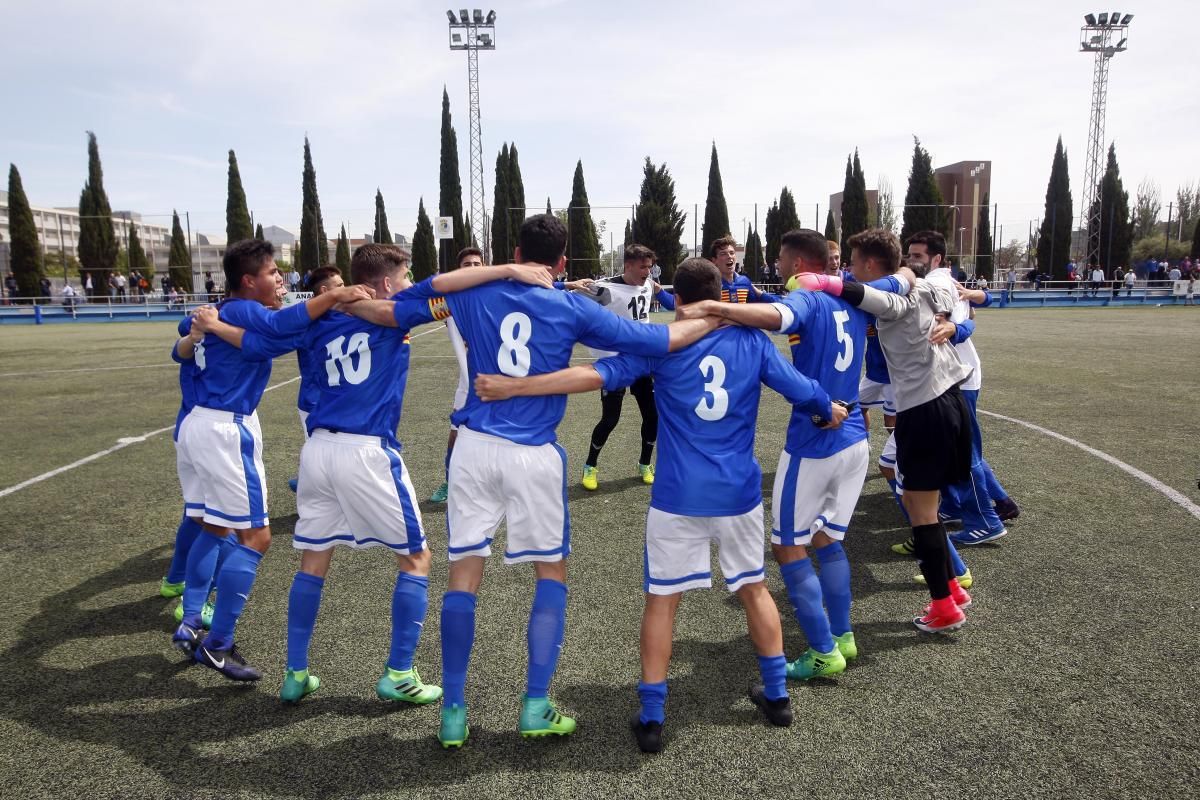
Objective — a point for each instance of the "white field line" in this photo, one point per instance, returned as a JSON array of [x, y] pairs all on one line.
[[121, 444], [1154, 483]]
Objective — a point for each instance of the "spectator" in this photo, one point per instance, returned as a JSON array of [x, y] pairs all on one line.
[[122, 284], [10, 289], [46, 289], [210, 287], [172, 297], [1189, 298], [1129, 279], [70, 297], [112, 287], [1118, 279], [1175, 274], [88, 289], [166, 284], [294, 279], [1097, 279]]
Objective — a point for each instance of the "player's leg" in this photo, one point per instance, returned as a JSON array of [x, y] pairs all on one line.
[[294, 481], [442, 492], [850, 467], [643, 391], [304, 601], [610, 415], [458, 637], [410, 602], [980, 521], [172, 583]]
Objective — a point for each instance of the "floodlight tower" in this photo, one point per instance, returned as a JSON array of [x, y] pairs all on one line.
[[474, 32], [1096, 36]]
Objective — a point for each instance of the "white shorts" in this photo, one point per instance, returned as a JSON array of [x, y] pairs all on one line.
[[678, 553], [494, 480], [219, 458], [355, 490], [872, 394], [303, 421], [887, 459], [817, 494]]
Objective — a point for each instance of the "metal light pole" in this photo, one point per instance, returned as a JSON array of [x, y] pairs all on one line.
[[1096, 37], [473, 32]]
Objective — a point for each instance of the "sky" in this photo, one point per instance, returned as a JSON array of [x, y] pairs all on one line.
[[785, 90]]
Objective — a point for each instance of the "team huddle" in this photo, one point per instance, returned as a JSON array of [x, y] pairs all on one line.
[[697, 382]]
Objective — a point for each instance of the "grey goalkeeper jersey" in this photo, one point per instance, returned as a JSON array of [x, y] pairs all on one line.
[[920, 371]]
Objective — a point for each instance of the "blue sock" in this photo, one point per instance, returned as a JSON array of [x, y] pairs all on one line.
[[228, 545], [201, 566], [410, 600], [187, 532], [835, 586], [303, 602], [654, 701], [458, 634], [233, 590], [960, 568], [774, 675], [894, 485], [804, 590], [547, 618]]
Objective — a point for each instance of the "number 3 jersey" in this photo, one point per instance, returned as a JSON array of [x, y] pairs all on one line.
[[360, 369], [517, 330], [707, 398]]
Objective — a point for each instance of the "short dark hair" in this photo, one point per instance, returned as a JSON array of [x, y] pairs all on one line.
[[934, 242], [807, 243], [719, 244], [466, 252], [244, 258], [697, 279], [636, 252], [880, 244], [314, 279], [543, 239], [374, 261]]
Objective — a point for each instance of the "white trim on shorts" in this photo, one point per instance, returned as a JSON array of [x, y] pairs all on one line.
[[817, 494], [887, 458], [872, 394], [677, 553]]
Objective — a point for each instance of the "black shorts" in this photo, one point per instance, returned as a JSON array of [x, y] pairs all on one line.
[[933, 442]]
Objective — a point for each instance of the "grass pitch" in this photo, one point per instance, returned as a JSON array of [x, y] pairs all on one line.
[[1075, 676]]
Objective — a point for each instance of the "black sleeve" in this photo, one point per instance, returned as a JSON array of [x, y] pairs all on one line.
[[853, 293]]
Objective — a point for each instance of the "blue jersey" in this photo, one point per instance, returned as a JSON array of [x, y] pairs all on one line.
[[741, 290], [233, 380], [877, 368], [707, 398], [827, 336], [360, 369], [515, 329], [310, 389], [187, 377]]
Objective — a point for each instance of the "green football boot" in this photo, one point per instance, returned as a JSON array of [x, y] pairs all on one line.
[[406, 687], [846, 645], [454, 730], [298, 684], [168, 590], [206, 614], [816, 665], [647, 473], [440, 494], [539, 717]]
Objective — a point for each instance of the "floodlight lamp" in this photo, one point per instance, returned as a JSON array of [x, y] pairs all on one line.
[[1103, 18], [456, 38], [485, 39], [1095, 40], [1114, 18], [1127, 18], [450, 14], [1090, 19], [491, 18], [465, 17], [477, 15]]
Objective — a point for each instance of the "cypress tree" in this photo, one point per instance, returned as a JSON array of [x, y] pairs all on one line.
[[1054, 236], [25, 251], [137, 256], [983, 242], [626, 240], [341, 258], [716, 212], [583, 245], [658, 223], [1116, 230], [831, 231], [923, 201], [516, 194], [314, 244], [258, 233], [854, 201], [450, 186], [179, 259], [97, 239], [383, 234], [1195, 254], [549, 210], [424, 249], [773, 233], [754, 254], [237, 215], [789, 220], [503, 242]]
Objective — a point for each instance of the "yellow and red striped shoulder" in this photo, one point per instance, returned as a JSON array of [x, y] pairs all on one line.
[[793, 339], [438, 308]]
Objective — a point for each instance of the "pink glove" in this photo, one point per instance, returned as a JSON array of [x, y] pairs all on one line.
[[818, 282]]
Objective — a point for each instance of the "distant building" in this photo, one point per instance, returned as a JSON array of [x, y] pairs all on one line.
[[835, 202], [963, 186]]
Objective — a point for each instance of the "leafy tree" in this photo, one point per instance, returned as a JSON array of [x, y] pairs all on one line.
[[237, 215], [179, 259], [658, 223], [424, 250], [1146, 209], [342, 256], [1011, 255], [831, 231], [583, 244], [885, 206], [97, 239], [25, 251], [923, 209], [314, 245], [258, 233], [503, 240], [854, 201], [1157, 246], [1187, 209], [516, 194], [1195, 252], [450, 194], [382, 234], [1054, 236], [983, 242], [1115, 231], [716, 212]]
